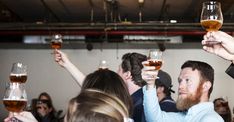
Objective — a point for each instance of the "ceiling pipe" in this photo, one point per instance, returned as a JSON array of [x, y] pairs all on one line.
[[113, 33], [109, 29]]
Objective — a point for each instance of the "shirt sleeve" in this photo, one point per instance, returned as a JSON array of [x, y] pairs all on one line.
[[230, 70], [212, 118], [152, 110]]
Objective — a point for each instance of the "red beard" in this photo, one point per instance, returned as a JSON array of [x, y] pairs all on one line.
[[185, 103]]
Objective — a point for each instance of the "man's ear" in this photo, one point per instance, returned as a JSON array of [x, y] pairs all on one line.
[[206, 86], [127, 75]]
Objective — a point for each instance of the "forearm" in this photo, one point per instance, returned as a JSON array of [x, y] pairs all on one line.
[[75, 72], [151, 106]]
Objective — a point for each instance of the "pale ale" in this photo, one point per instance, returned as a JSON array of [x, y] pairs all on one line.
[[211, 25], [56, 44], [156, 63], [14, 105], [18, 78]]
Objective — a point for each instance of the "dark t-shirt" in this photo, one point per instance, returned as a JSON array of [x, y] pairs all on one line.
[[138, 109], [168, 104]]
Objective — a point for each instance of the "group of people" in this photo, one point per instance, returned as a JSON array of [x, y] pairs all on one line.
[[139, 93]]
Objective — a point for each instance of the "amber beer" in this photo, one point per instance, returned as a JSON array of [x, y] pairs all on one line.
[[56, 44], [14, 105], [156, 63], [18, 78], [211, 25]]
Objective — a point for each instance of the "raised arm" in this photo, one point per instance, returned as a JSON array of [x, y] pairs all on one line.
[[62, 59], [152, 110]]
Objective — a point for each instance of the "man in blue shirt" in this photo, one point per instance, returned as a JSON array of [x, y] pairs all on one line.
[[195, 86]]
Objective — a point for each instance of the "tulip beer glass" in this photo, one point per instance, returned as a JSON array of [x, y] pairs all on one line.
[[15, 98], [211, 17], [18, 73], [56, 41], [155, 59]]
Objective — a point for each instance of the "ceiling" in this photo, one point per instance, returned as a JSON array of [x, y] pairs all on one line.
[[77, 11], [106, 17]]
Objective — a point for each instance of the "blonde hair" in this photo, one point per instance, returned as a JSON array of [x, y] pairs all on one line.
[[94, 105]]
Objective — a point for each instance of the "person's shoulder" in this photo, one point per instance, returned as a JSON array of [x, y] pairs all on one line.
[[212, 117]]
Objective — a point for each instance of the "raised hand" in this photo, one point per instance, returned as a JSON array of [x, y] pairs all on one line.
[[149, 74], [224, 46]]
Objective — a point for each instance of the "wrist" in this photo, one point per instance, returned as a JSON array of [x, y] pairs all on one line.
[[68, 64]]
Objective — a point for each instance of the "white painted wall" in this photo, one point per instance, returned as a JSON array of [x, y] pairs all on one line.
[[45, 75]]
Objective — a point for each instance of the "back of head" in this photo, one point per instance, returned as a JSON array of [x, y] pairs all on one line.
[[109, 82], [206, 71], [165, 81], [133, 62], [97, 106]]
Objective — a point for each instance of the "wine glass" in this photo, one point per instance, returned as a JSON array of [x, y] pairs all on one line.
[[18, 73], [56, 41], [103, 65], [155, 59], [211, 17], [15, 98]]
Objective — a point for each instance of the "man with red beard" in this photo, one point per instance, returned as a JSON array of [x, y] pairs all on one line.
[[195, 86]]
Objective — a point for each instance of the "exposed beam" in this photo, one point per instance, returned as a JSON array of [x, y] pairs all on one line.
[[50, 10], [12, 12], [110, 29]]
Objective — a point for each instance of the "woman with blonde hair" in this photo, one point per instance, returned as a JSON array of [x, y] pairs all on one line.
[[94, 105]]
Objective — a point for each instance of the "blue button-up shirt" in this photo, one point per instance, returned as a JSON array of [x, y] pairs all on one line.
[[202, 112]]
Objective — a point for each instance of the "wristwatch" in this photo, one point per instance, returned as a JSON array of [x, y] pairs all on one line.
[[230, 70]]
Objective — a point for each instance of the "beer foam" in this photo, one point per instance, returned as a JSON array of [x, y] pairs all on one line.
[[9, 99], [12, 74]]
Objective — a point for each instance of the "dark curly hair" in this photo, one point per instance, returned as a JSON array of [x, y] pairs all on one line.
[[132, 62]]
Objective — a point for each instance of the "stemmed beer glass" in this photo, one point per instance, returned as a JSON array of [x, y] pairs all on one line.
[[103, 65], [56, 41], [18, 73], [211, 17], [15, 98], [155, 59]]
